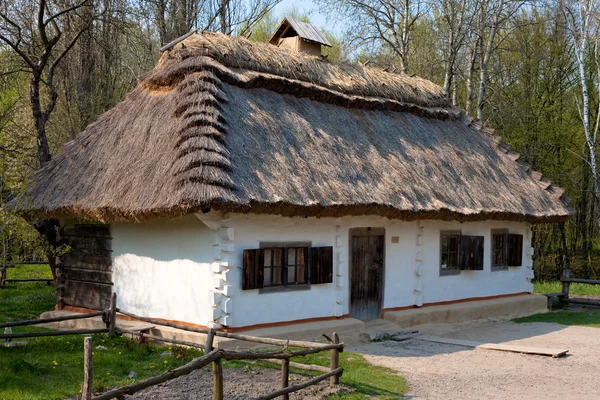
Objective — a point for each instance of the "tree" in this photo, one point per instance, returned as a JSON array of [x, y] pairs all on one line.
[[42, 33], [386, 23], [583, 18]]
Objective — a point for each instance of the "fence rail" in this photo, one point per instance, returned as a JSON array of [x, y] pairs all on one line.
[[4, 265], [566, 285], [214, 356]]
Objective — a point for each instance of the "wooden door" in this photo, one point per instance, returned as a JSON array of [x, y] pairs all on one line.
[[366, 276]]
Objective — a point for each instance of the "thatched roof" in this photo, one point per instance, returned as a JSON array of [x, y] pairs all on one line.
[[238, 126]]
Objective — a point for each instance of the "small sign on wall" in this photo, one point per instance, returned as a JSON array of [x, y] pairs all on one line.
[[395, 239]]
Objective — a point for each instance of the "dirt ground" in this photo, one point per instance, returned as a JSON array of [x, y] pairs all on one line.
[[239, 384], [441, 371]]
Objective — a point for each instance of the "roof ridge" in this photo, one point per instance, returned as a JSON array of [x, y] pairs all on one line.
[[351, 79], [188, 61]]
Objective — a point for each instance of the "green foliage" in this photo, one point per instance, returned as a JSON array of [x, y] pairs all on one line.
[[574, 288], [589, 318]]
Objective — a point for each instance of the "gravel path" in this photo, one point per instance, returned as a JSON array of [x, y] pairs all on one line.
[[239, 384], [440, 371]]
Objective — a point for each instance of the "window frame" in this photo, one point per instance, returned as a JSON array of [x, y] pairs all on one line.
[[285, 286], [499, 267], [450, 271]]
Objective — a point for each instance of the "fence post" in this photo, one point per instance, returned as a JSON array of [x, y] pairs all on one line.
[[565, 283], [217, 368], [335, 360], [113, 314], [285, 377], [88, 369]]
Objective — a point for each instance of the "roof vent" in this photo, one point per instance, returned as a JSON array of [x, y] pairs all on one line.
[[299, 36]]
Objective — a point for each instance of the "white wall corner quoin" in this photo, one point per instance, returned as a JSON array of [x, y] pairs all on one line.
[[528, 260], [418, 284], [220, 297], [338, 277]]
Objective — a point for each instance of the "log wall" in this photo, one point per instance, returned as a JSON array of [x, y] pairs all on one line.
[[86, 270]]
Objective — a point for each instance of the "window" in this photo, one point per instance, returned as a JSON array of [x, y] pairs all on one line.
[[460, 252], [499, 249], [287, 266], [283, 266], [449, 253], [507, 250]]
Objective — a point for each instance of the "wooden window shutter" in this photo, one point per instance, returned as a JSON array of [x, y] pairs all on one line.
[[471, 253], [514, 257], [252, 275], [321, 265]]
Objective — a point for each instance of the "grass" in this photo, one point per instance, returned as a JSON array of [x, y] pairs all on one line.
[[52, 368], [574, 289], [367, 380], [583, 318]]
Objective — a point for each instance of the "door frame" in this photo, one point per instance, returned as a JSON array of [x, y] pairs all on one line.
[[366, 231]]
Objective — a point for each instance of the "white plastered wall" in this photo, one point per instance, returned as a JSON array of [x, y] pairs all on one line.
[[162, 269], [190, 269], [412, 274]]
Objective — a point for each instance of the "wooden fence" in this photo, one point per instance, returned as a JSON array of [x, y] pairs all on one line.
[[214, 356], [566, 284], [108, 316], [6, 265]]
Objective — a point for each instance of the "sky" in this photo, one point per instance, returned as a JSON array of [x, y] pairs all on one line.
[[308, 6]]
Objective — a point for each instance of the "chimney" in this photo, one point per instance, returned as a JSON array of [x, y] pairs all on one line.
[[299, 36]]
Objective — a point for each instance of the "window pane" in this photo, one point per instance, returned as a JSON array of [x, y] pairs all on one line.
[[445, 260], [452, 243], [277, 257], [452, 260], [291, 274], [277, 275], [291, 256], [301, 273], [444, 243], [267, 277], [267, 262], [301, 256]]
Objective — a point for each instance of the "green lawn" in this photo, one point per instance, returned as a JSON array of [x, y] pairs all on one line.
[[574, 289], [52, 368], [583, 318]]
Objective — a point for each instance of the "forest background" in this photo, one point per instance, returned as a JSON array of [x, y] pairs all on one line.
[[529, 69]]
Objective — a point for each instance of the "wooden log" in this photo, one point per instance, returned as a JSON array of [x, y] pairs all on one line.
[[163, 323], [565, 284], [88, 369], [588, 302], [80, 274], [301, 386], [162, 339], [112, 317], [217, 371], [335, 361], [172, 374], [93, 295], [47, 320], [276, 342], [247, 355], [52, 333], [217, 368], [304, 367], [90, 262], [577, 280], [285, 377], [30, 280]]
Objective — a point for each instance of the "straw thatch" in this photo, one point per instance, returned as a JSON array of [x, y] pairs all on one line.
[[232, 125]]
